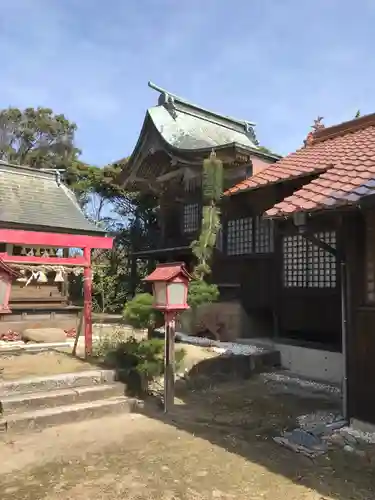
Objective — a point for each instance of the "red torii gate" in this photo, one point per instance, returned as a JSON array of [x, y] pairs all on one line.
[[60, 240]]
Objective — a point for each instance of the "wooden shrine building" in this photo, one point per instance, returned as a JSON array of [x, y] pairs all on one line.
[[317, 279], [44, 237], [167, 161]]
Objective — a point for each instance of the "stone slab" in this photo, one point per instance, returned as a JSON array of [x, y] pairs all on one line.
[[61, 381], [42, 335], [17, 403], [40, 419]]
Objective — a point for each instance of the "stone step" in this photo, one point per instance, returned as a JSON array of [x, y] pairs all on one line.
[[17, 403], [48, 417], [54, 382]]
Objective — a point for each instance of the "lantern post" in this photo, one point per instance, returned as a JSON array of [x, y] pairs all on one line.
[[170, 283]]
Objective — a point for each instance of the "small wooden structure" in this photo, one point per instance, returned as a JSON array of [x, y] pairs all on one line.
[[44, 237]]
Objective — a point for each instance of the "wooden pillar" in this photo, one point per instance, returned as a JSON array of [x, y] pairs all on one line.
[[169, 362], [87, 301]]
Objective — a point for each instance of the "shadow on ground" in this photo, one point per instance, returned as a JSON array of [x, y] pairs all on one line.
[[242, 416]]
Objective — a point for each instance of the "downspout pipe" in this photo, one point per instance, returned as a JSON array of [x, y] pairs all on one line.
[[344, 336], [302, 229]]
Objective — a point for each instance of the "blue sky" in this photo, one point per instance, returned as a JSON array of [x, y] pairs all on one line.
[[279, 63]]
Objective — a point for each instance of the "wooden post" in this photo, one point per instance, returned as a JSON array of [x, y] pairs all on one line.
[[169, 362], [87, 301], [78, 334]]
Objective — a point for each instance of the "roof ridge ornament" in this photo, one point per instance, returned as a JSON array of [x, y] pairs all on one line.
[[165, 99], [250, 132], [316, 127]]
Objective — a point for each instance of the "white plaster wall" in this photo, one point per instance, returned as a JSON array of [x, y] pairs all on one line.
[[312, 363]]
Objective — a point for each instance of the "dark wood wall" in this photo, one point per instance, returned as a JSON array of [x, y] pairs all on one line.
[[310, 314]]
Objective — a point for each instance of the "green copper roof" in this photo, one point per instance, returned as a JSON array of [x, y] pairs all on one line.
[[189, 127], [187, 131], [180, 129]]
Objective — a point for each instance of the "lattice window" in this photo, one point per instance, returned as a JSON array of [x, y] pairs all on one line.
[[294, 253], [321, 265], [191, 218], [240, 236], [305, 265], [370, 258], [264, 235]]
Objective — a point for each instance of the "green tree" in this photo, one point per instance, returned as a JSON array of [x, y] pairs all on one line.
[[139, 313], [37, 138]]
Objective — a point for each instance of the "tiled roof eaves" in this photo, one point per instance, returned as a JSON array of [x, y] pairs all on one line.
[[319, 194], [266, 178]]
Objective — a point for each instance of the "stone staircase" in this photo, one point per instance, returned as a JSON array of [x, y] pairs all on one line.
[[36, 403]]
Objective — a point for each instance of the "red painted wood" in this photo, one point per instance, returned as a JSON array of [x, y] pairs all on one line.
[[87, 302], [53, 261], [18, 237]]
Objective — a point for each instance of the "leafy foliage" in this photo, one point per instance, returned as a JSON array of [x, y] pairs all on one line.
[[37, 138], [212, 186], [213, 177], [139, 312], [110, 286], [201, 292], [140, 362]]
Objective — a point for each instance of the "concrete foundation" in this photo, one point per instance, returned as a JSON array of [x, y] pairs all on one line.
[[317, 364], [360, 426]]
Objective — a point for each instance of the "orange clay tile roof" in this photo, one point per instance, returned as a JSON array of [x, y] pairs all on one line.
[[331, 146], [344, 155], [347, 180]]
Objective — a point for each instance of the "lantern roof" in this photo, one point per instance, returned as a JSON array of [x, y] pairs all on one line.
[[166, 272], [8, 269]]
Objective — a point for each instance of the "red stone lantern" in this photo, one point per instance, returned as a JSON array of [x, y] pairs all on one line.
[[7, 274], [170, 284]]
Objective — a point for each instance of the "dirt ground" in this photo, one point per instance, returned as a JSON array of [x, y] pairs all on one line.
[[57, 361], [217, 444], [39, 364]]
